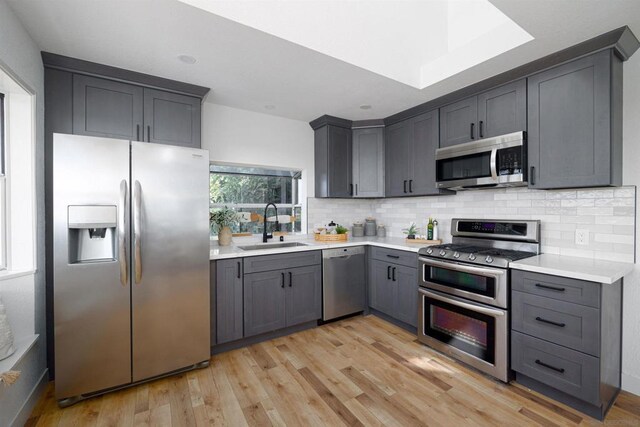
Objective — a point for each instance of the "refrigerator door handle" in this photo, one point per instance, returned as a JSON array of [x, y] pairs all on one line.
[[137, 204], [122, 248]]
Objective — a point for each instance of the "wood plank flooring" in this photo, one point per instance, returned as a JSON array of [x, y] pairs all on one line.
[[359, 371]]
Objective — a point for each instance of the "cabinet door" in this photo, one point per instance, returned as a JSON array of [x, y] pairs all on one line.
[[106, 108], [264, 308], [422, 180], [458, 122], [406, 282], [339, 162], [569, 111], [382, 291], [503, 110], [368, 162], [170, 118], [398, 140], [229, 310], [303, 294]]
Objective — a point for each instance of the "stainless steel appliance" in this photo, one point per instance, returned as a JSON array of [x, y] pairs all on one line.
[[131, 265], [343, 282], [464, 290], [499, 161]]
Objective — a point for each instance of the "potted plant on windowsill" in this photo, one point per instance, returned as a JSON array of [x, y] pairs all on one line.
[[411, 231], [223, 219]]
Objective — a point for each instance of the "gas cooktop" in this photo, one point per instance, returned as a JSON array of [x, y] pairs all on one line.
[[475, 254]]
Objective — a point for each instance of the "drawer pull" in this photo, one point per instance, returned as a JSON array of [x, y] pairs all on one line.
[[553, 368], [393, 256], [551, 288], [551, 322]]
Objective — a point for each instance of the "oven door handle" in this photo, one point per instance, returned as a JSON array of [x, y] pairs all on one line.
[[464, 268], [458, 303], [493, 164]]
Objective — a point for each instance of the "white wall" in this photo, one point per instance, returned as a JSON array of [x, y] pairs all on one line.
[[631, 147], [244, 137]]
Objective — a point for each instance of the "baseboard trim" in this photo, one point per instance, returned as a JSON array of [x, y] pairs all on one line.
[[25, 411], [631, 384]]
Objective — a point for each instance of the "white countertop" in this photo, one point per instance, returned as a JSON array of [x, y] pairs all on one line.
[[233, 251], [592, 270]]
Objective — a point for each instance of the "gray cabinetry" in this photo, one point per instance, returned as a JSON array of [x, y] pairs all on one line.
[[495, 112], [566, 339], [303, 296], [332, 152], [264, 302], [107, 108], [406, 280], [171, 118], [410, 148], [368, 162], [575, 121], [381, 290], [229, 301]]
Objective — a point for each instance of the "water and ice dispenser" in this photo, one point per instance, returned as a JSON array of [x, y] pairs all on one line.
[[92, 233]]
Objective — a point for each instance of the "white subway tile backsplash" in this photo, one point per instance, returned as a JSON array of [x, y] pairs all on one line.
[[608, 214]]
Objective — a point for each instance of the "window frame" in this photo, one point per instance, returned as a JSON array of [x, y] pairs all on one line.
[[3, 183]]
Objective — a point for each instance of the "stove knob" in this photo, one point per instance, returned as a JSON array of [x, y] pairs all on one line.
[[443, 253], [429, 251], [472, 257], [456, 255], [489, 260]]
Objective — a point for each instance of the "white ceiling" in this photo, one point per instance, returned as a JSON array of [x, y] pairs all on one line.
[[247, 68]]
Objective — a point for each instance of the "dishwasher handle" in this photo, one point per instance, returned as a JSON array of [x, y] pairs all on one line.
[[342, 252]]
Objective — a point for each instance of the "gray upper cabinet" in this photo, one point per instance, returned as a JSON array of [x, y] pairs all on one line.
[[229, 302], [368, 162], [575, 122], [492, 113], [303, 295], [107, 108], [503, 110], [410, 149], [458, 122], [171, 118], [333, 162]]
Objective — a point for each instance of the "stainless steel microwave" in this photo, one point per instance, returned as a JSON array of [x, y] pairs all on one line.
[[499, 161]]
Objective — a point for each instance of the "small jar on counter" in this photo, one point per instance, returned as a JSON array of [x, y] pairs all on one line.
[[357, 230], [382, 231], [370, 227]]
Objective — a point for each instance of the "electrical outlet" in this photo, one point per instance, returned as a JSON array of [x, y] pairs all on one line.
[[582, 237]]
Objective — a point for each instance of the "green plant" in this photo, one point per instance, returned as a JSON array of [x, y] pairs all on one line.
[[223, 217], [341, 230], [412, 230]]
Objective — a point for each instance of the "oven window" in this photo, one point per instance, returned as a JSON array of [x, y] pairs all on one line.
[[476, 284], [471, 166], [467, 330]]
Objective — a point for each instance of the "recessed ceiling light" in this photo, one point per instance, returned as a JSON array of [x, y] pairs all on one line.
[[365, 107], [270, 107], [187, 59]]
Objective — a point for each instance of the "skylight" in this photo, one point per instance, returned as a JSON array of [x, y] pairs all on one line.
[[415, 42]]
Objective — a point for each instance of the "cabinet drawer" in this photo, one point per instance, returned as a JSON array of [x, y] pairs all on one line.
[[570, 325], [410, 259], [281, 261], [567, 370], [555, 287]]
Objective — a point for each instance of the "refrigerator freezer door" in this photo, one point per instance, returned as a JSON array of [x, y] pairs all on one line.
[[91, 297], [170, 290]]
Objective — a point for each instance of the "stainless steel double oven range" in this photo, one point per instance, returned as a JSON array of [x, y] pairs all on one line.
[[464, 290]]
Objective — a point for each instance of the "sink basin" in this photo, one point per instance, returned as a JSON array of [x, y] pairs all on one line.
[[271, 246]]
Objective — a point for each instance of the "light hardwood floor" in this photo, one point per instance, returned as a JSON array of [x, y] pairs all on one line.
[[359, 371]]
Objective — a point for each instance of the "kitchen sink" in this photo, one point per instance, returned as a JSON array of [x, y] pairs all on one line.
[[271, 246]]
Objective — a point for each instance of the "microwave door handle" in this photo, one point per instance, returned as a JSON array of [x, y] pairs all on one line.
[[463, 268], [455, 301], [494, 164]]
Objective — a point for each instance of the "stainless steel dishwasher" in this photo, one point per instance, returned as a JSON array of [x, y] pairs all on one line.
[[343, 290]]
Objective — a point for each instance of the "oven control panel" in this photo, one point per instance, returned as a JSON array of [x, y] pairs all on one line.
[[497, 229]]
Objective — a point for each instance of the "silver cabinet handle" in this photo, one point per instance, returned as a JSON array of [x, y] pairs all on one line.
[[459, 303], [137, 255], [493, 164], [122, 246]]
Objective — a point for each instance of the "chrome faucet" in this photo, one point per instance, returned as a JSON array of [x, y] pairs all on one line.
[[266, 236]]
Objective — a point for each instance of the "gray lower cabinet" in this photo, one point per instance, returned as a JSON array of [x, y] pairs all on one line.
[[281, 298], [368, 162], [393, 290], [171, 118], [566, 339], [333, 163], [575, 124], [229, 300]]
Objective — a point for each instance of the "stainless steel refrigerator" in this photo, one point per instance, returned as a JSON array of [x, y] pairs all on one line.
[[131, 262]]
